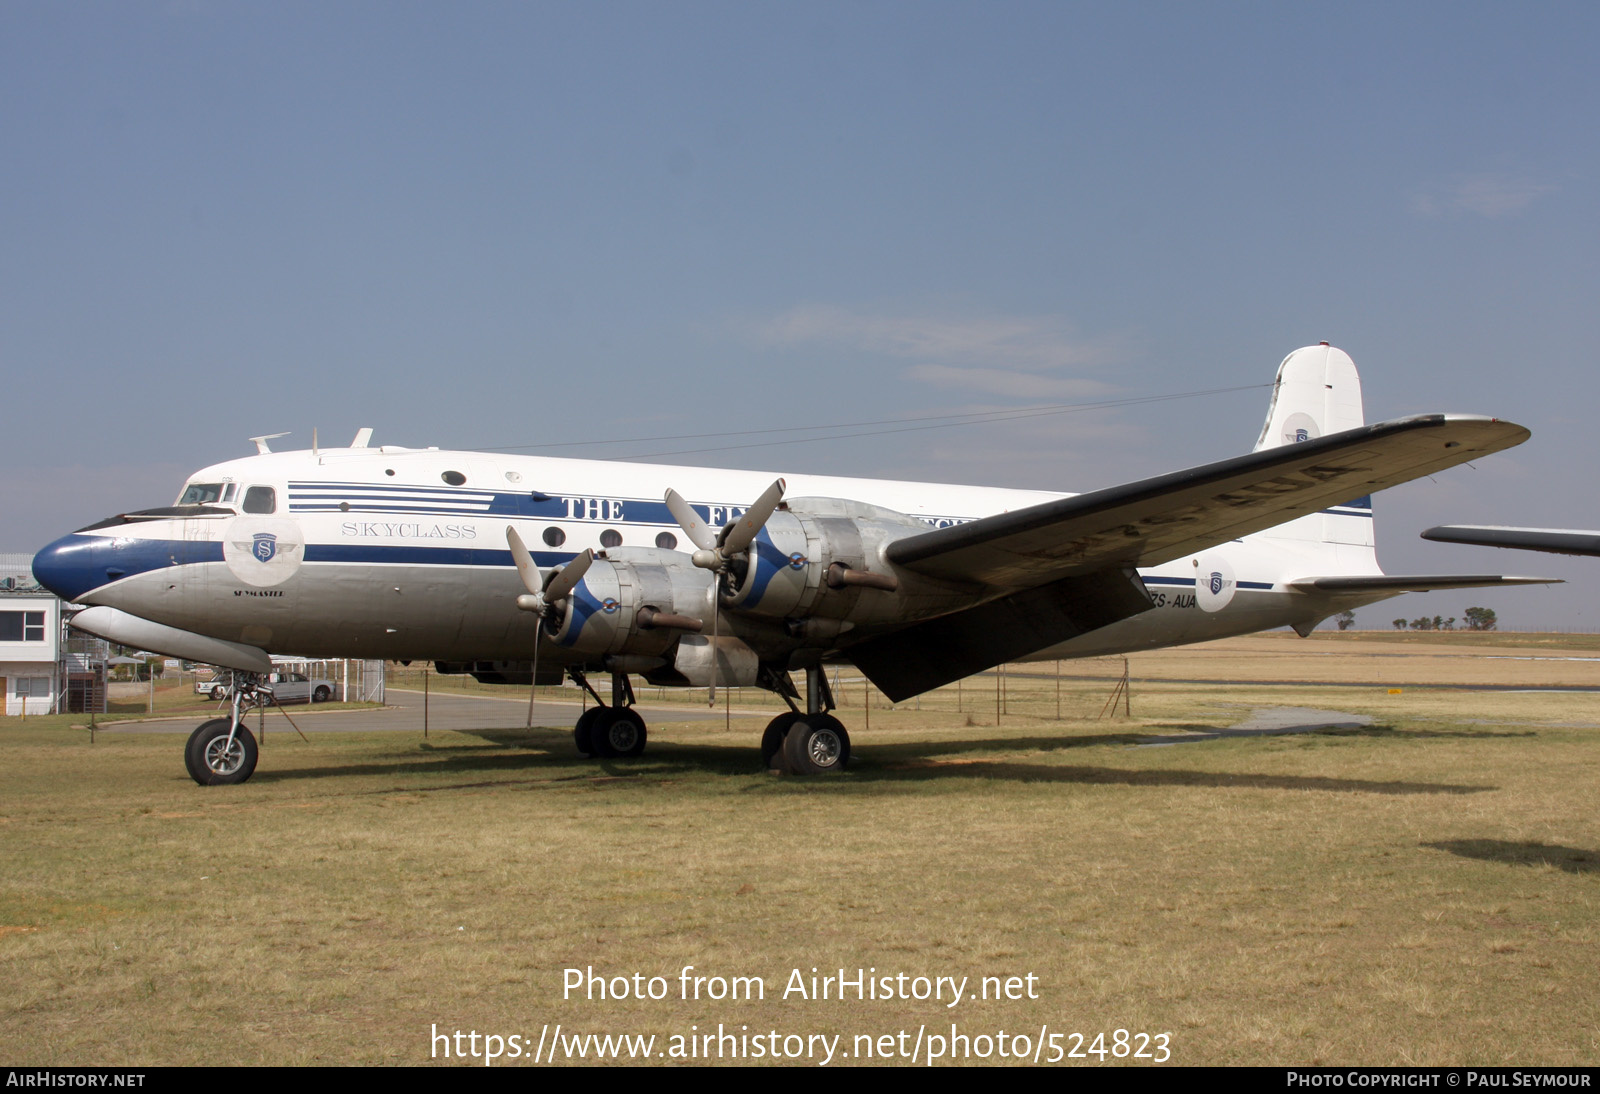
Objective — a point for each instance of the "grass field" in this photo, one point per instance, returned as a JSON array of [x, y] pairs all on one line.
[[1424, 890]]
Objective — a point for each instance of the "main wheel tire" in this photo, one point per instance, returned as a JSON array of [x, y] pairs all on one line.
[[210, 759], [322, 695], [583, 732], [620, 735], [772, 757], [817, 744]]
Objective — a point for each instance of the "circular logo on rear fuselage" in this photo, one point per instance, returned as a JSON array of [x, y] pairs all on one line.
[[1213, 583]]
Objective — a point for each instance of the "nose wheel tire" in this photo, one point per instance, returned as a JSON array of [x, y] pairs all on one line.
[[213, 761], [620, 733], [816, 744]]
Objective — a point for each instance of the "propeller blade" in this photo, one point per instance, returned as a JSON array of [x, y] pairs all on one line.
[[693, 527], [742, 534], [567, 579], [531, 577], [716, 669]]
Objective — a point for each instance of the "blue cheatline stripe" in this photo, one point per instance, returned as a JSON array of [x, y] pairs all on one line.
[[380, 498], [75, 564], [375, 555], [1189, 581]]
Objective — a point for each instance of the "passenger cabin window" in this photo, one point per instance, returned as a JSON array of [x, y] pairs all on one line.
[[260, 499]]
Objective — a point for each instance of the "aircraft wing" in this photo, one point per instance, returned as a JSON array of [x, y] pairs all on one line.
[[1157, 520], [1559, 541]]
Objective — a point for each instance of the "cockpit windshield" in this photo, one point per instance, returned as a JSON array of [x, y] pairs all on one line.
[[206, 493]]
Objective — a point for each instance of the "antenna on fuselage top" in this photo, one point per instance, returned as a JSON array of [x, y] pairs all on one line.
[[261, 442]]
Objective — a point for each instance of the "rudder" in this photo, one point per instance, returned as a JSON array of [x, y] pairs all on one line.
[[1318, 392]]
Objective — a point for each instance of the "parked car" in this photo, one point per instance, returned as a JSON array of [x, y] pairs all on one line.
[[296, 687], [287, 687], [216, 685]]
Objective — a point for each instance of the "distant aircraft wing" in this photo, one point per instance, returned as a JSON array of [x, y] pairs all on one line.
[[1390, 584], [1561, 541], [1157, 520]]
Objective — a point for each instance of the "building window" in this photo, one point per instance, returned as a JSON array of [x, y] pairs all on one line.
[[32, 687], [21, 626]]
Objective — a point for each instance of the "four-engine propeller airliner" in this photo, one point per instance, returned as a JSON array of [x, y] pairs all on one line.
[[703, 577]]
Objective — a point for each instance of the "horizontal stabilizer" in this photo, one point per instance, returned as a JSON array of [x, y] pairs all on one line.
[[1413, 583], [1561, 541], [1157, 520]]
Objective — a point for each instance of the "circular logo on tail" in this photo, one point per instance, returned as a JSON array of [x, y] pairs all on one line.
[[1298, 427]]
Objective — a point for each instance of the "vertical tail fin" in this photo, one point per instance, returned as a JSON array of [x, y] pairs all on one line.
[[1318, 392]]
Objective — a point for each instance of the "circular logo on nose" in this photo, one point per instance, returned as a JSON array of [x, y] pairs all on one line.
[[263, 551]]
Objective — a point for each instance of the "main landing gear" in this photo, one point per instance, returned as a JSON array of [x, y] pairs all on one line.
[[610, 732], [810, 743], [796, 742]]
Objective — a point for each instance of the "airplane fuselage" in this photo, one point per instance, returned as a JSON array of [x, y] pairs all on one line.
[[401, 553]]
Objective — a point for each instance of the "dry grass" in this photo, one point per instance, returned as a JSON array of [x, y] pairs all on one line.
[[1423, 891]]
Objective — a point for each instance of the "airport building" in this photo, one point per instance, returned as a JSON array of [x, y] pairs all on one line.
[[45, 668]]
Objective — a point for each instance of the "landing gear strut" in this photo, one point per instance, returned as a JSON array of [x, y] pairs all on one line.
[[610, 732], [222, 751], [809, 743]]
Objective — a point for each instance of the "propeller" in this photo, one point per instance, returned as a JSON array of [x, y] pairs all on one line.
[[716, 552], [735, 538], [543, 596]]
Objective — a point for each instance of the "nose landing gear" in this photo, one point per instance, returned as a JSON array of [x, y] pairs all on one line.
[[222, 752]]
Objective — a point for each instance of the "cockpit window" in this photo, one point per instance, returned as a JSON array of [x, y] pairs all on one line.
[[260, 499], [201, 493], [227, 495]]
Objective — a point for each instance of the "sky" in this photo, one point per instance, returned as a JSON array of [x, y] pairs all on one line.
[[587, 225]]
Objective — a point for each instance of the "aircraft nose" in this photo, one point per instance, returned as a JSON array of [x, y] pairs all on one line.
[[74, 565]]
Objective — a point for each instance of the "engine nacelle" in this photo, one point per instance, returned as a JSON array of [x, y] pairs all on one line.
[[815, 547], [636, 600]]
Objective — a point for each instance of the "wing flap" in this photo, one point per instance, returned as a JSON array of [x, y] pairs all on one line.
[[1157, 520]]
